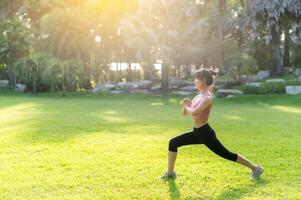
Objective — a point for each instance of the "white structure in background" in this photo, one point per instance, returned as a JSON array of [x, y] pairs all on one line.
[[124, 66], [199, 2], [193, 70], [137, 67], [134, 66], [97, 38]]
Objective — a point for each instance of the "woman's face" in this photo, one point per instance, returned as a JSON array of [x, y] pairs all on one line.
[[199, 84]]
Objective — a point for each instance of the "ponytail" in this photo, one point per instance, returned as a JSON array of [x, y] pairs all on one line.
[[214, 74]]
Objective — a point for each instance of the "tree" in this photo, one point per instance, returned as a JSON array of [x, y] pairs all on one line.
[[63, 74], [8, 8], [29, 69], [67, 36], [222, 7], [159, 31], [267, 19], [214, 27], [139, 39], [109, 13], [14, 43]]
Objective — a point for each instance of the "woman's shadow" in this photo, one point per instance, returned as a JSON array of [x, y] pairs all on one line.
[[173, 190], [234, 193], [240, 192]]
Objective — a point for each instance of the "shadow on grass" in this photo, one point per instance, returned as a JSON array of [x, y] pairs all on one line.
[[46, 119], [240, 192], [55, 120], [173, 190]]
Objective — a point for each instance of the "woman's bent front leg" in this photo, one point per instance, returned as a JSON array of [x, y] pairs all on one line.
[[178, 141]]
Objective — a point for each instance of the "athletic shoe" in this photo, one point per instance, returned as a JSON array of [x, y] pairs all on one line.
[[256, 172], [168, 175]]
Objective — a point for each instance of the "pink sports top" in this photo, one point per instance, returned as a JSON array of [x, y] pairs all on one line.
[[196, 102]]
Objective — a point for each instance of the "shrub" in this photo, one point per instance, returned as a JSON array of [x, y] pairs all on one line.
[[296, 54], [265, 88], [293, 82], [275, 87]]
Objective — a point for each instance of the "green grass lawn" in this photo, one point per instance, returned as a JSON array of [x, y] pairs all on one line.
[[104, 146]]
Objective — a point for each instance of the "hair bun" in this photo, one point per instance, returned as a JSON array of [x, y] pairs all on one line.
[[212, 72]]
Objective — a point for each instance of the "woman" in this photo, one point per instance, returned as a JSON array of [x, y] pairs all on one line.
[[199, 108]]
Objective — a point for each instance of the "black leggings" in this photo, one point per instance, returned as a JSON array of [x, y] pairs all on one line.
[[202, 135]]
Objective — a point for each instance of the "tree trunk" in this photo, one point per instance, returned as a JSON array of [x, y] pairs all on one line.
[[164, 76], [147, 70], [187, 71], [119, 79], [34, 81], [286, 56], [11, 74], [221, 32], [178, 71], [106, 73], [205, 61], [87, 82], [34, 87], [96, 73], [239, 67], [63, 88], [129, 76], [276, 57]]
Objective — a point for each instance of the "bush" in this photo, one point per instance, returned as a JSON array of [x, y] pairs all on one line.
[[293, 82], [265, 88], [275, 87], [248, 89], [296, 54], [3, 72]]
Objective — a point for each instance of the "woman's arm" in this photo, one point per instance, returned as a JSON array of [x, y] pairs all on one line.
[[188, 102], [184, 111], [200, 107]]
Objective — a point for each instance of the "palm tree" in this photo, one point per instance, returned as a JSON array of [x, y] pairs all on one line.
[[63, 74], [152, 32], [67, 36], [29, 69], [108, 15], [173, 31], [266, 18], [8, 8], [14, 43], [138, 39]]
